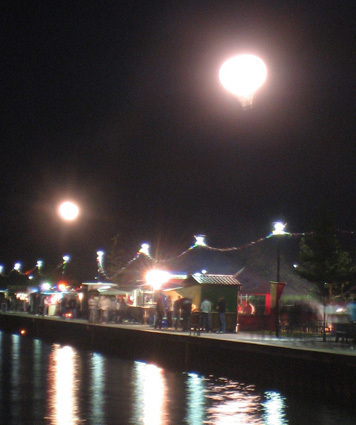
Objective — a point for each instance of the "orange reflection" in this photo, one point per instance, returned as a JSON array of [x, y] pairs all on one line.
[[62, 403]]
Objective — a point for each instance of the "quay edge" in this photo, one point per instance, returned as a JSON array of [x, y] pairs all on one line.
[[311, 374]]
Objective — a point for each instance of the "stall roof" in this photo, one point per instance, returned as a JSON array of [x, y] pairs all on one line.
[[99, 285], [112, 291], [213, 279]]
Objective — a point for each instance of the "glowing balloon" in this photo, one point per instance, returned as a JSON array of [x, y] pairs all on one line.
[[68, 211], [243, 75]]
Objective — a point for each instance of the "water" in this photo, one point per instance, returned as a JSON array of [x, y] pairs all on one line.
[[62, 385]]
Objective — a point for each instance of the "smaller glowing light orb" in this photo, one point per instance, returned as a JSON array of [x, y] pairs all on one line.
[[46, 286], [145, 249], [68, 211], [66, 258], [279, 228], [23, 331], [200, 240], [17, 267], [243, 75]]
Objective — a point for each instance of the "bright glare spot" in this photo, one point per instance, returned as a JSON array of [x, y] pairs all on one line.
[[145, 249], [23, 332], [66, 258], [279, 228], [46, 286], [17, 267], [62, 287], [39, 264], [68, 211], [243, 75], [156, 278], [200, 240]]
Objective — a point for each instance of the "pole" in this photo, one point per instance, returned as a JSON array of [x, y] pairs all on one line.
[[277, 300]]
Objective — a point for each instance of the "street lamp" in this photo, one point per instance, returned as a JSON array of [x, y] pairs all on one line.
[[66, 258], [200, 240], [145, 249], [99, 260], [278, 231]]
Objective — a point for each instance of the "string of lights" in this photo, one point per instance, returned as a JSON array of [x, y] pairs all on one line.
[[199, 243]]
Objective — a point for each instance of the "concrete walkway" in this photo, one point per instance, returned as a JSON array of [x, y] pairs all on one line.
[[307, 342]]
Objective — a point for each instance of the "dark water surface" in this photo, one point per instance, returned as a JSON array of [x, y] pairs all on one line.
[[61, 385]]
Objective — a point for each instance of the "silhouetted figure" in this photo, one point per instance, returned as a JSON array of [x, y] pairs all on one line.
[[221, 308], [186, 312], [160, 312]]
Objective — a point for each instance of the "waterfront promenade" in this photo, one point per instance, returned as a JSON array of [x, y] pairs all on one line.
[[306, 342]]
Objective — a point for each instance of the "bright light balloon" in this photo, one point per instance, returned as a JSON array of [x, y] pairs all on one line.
[[68, 211], [243, 75]]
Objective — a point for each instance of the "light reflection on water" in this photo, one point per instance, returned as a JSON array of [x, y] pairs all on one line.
[[62, 388], [150, 388], [61, 385]]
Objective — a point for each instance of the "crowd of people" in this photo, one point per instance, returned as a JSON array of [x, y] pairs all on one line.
[[167, 314], [178, 315], [107, 309]]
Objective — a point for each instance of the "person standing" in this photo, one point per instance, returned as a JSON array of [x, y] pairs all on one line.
[[169, 303], [186, 313], [92, 308], [160, 312], [205, 309], [221, 308], [176, 312]]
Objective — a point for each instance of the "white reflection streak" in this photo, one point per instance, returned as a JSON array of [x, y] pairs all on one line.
[[274, 407], [36, 367], [233, 405], [150, 393], [62, 395], [98, 388], [195, 399], [237, 411], [15, 373], [1, 366]]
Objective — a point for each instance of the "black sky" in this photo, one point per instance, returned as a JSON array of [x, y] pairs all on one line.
[[118, 106]]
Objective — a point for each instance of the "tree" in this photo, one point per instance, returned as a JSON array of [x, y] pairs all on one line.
[[322, 259]]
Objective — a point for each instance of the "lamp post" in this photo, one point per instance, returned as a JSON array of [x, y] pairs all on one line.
[[66, 258], [278, 231], [99, 261]]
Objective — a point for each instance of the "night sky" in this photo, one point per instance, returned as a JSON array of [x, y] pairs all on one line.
[[117, 105]]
